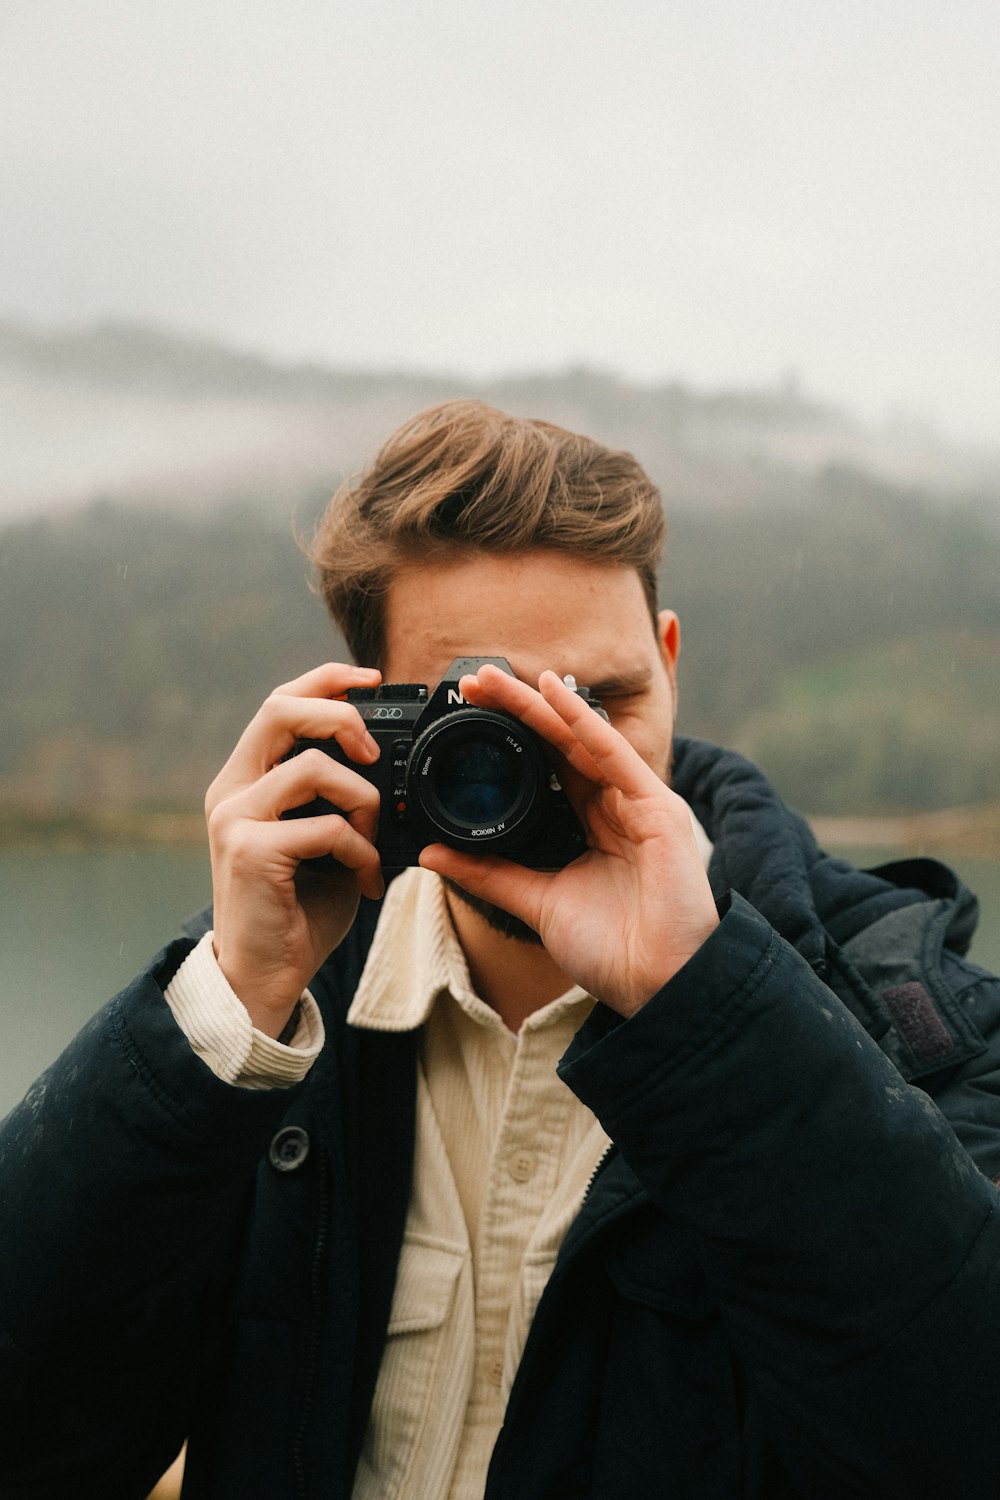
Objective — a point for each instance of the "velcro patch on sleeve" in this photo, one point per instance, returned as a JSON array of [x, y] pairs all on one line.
[[917, 1021]]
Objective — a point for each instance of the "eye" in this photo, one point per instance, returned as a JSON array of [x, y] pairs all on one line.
[[617, 705]]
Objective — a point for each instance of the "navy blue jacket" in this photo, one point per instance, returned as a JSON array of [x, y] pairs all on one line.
[[784, 1279]]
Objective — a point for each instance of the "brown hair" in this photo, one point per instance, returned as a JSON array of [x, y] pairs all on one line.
[[463, 476]]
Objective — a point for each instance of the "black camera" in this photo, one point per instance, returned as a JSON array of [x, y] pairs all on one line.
[[476, 779]]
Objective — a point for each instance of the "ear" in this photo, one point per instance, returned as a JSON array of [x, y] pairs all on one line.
[[668, 637]]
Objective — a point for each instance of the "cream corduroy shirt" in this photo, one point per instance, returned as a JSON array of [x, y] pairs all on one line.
[[504, 1153]]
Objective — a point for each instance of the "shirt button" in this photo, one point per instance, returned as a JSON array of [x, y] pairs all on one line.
[[522, 1165], [494, 1372], [289, 1148]]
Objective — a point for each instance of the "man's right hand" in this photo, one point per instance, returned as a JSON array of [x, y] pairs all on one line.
[[275, 922]]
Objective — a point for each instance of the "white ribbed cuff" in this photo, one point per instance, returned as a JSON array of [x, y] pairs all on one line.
[[218, 1026]]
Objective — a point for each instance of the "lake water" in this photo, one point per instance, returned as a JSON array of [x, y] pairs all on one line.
[[75, 927]]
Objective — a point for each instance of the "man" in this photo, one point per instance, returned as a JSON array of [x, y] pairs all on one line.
[[312, 1193]]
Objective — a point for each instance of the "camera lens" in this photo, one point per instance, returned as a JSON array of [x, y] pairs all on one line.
[[477, 781], [475, 778]]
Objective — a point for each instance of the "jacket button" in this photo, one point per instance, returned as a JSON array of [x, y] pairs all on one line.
[[289, 1148]]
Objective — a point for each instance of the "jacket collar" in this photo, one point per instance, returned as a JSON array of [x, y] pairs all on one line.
[[767, 852]]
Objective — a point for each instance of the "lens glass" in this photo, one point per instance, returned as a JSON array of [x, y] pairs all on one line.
[[477, 780]]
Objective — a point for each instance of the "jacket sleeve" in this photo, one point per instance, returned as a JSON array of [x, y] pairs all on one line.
[[849, 1239], [124, 1178]]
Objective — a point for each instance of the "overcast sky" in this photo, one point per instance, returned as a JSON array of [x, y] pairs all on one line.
[[711, 190]]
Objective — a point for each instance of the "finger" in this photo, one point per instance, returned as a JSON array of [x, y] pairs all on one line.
[[513, 887], [330, 681], [297, 782], [617, 762], [586, 740], [312, 838], [333, 835], [282, 720], [493, 688]]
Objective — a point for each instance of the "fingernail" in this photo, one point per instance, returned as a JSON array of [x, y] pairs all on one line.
[[371, 746]]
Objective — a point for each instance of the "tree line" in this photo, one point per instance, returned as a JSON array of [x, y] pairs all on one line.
[[850, 642]]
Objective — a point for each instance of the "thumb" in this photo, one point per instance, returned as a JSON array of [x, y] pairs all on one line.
[[501, 882]]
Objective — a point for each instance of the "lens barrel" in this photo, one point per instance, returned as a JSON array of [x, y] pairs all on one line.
[[476, 779]]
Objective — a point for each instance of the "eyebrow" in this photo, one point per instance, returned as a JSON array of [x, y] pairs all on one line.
[[612, 687]]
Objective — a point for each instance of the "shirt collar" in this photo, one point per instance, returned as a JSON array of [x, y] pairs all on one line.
[[415, 957]]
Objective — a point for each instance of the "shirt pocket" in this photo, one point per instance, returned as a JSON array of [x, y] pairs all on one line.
[[409, 1378]]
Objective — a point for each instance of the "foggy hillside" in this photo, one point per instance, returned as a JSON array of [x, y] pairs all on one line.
[[842, 626], [850, 643], [128, 411]]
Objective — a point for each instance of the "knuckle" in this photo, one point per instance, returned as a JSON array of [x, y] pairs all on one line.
[[229, 841], [273, 708], [313, 762], [241, 845], [215, 817]]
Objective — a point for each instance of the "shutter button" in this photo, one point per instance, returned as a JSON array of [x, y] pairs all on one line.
[[289, 1148]]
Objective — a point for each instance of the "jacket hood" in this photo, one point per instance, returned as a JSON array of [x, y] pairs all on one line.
[[767, 852]]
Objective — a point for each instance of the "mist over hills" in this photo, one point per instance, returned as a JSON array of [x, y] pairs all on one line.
[[142, 413], [839, 586]]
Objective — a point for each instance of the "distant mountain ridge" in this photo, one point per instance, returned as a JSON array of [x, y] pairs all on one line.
[[125, 410]]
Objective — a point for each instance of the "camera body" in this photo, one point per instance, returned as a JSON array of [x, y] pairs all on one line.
[[474, 778]]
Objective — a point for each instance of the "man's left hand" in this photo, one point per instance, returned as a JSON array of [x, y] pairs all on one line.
[[629, 912]]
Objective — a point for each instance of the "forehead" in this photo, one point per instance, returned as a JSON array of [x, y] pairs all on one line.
[[538, 609]]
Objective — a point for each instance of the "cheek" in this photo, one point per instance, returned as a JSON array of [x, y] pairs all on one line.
[[650, 740]]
